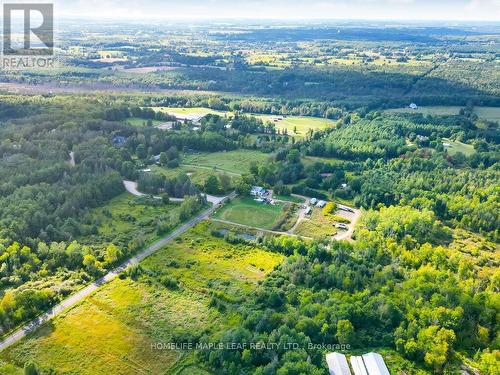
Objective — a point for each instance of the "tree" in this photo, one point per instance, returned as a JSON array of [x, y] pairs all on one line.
[[113, 253], [141, 151], [211, 185], [163, 158], [435, 344], [225, 182], [31, 368], [345, 331]]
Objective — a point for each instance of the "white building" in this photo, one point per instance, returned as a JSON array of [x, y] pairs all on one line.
[[413, 106], [337, 364], [321, 204], [358, 366], [314, 201], [375, 364], [258, 191]]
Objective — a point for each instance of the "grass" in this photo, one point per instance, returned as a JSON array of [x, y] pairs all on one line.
[[246, 211], [236, 162], [111, 332], [456, 147], [301, 123], [486, 113], [126, 214], [140, 122], [197, 175], [288, 198], [195, 111], [318, 225]]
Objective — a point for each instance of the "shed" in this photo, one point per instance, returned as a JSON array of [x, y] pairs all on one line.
[[358, 366], [375, 364], [337, 364]]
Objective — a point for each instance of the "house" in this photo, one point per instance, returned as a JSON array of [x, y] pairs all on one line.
[[157, 159], [314, 201], [358, 366], [118, 140], [413, 106], [321, 204], [422, 138], [337, 364], [258, 191], [375, 364]]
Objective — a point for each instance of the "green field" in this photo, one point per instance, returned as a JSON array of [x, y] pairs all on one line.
[[300, 123], [112, 331], [246, 211], [317, 225], [127, 215], [140, 122], [486, 113], [235, 162], [456, 146]]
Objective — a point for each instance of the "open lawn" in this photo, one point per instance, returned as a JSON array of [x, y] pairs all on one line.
[[189, 112], [197, 175], [300, 123], [246, 211], [456, 146], [112, 331], [316, 225], [236, 162]]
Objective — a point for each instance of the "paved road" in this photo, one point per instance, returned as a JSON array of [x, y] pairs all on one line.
[[77, 297]]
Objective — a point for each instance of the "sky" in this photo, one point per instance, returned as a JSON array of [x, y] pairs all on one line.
[[459, 10]]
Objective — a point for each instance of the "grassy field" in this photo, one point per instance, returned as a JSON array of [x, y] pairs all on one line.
[[197, 175], [236, 162], [456, 146], [302, 124], [486, 113], [126, 214], [317, 225], [140, 122], [112, 331], [247, 211]]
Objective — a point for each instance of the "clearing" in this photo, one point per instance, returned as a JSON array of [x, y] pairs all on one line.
[[236, 162], [454, 147], [113, 330], [247, 211]]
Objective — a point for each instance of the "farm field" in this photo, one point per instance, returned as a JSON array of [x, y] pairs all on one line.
[[235, 162], [246, 211], [189, 112], [197, 175], [456, 146], [112, 331], [302, 124], [317, 225], [486, 113], [130, 216], [140, 122]]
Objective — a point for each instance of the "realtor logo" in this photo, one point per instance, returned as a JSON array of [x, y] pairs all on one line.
[[28, 31]]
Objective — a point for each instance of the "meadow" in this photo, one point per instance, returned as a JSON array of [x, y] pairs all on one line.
[[128, 217], [246, 211], [485, 113], [457, 146], [297, 125], [317, 225], [234, 162], [112, 331]]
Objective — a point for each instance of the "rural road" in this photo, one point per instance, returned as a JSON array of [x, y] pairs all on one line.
[[131, 187], [80, 295]]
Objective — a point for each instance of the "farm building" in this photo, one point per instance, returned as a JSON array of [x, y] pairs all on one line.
[[413, 106], [308, 211], [321, 204], [337, 364], [358, 366], [258, 191], [314, 201], [375, 364]]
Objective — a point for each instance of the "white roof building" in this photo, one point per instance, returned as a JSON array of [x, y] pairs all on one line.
[[321, 204], [358, 366], [337, 364], [313, 200], [413, 106], [375, 364]]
